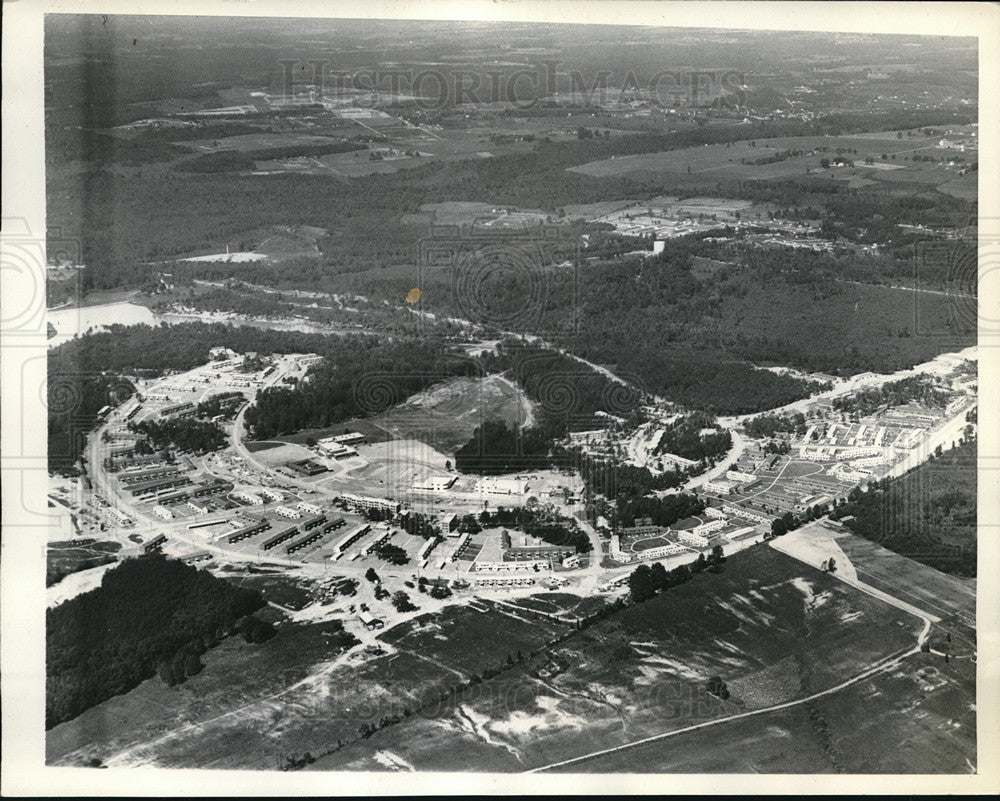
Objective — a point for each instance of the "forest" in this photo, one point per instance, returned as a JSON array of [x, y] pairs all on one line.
[[767, 425], [928, 514], [359, 376], [107, 641], [568, 392], [495, 448], [918, 388], [684, 437], [663, 511], [186, 435], [555, 531]]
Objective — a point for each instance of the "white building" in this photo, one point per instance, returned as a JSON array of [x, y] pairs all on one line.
[[709, 527], [365, 502], [337, 450], [739, 476], [693, 538], [747, 514], [434, 483], [248, 497], [715, 514], [351, 438], [163, 512], [289, 512], [309, 508], [510, 567], [502, 486]]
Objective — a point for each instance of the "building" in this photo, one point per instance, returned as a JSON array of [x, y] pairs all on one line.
[[739, 476], [307, 467], [249, 530], [434, 483], [199, 507], [693, 538], [155, 544], [178, 410], [502, 486], [715, 514], [248, 497], [369, 621], [337, 450], [349, 539], [163, 512], [351, 438], [643, 528], [510, 567], [572, 561], [288, 511], [362, 502], [720, 486], [505, 582], [309, 508], [276, 539], [709, 527], [539, 553], [747, 514], [144, 487]]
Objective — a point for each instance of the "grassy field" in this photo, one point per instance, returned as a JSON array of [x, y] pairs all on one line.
[[736, 161], [444, 416], [466, 640], [282, 590], [236, 674], [771, 628], [917, 719], [951, 598], [64, 558]]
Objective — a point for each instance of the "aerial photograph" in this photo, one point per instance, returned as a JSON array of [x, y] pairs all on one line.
[[509, 397]]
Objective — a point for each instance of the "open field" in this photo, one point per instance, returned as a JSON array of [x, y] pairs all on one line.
[[235, 674], [725, 161], [247, 143], [285, 697], [772, 629], [950, 597], [64, 558], [445, 415], [893, 722], [465, 639]]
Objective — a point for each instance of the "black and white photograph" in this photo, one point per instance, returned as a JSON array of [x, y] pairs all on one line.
[[506, 389]]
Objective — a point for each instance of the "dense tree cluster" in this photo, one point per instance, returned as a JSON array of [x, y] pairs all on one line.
[[567, 392], [767, 425], [918, 388], [392, 554], [939, 529], [624, 481], [684, 437], [360, 376], [663, 511], [146, 611], [237, 160], [184, 434], [549, 528], [648, 580], [497, 448]]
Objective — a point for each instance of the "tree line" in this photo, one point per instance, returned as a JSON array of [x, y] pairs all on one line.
[[147, 610]]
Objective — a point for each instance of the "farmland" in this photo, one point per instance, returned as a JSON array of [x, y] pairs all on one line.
[[800, 155], [641, 671]]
